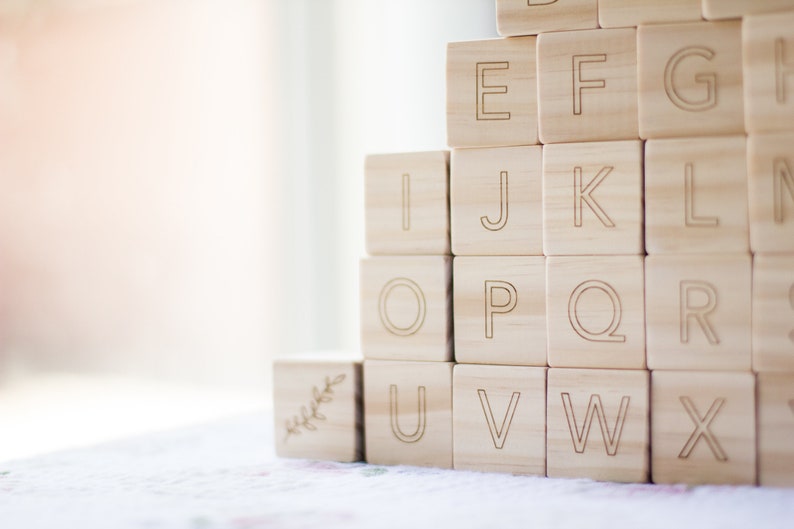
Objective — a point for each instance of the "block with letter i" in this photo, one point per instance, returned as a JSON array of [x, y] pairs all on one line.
[[318, 409]]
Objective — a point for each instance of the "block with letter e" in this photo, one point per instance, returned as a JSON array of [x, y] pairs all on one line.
[[597, 422], [703, 427]]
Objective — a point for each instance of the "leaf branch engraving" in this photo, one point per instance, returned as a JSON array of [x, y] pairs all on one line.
[[310, 414]]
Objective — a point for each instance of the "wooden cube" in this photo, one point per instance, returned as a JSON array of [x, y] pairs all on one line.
[[690, 79], [703, 427], [592, 198], [616, 450], [500, 313], [770, 167], [492, 93], [406, 311], [697, 312], [406, 203], [768, 44], [531, 17], [773, 313], [776, 429], [722, 9], [587, 85], [499, 419], [408, 413], [596, 312], [317, 407], [496, 206], [627, 13], [696, 195]]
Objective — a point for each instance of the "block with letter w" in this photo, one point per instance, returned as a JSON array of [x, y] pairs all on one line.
[[595, 409]]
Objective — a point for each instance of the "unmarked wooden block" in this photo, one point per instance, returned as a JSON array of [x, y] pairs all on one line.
[[596, 312], [406, 311], [406, 203], [697, 312], [616, 450], [690, 79], [531, 17], [499, 419], [773, 313], [696, 195], [587, 85], [317, 407], [495, 204], [776, 429], [492, 93], [500, 313], [722, 9], [628, 13], [592, 198], [408, 413], [703, 427], [770, 167], [768, 43]]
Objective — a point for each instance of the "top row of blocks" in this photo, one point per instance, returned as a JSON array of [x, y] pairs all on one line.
[[532, 17], [658, 81]]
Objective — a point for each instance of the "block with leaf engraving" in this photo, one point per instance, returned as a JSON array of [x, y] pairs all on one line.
[[317, 406]]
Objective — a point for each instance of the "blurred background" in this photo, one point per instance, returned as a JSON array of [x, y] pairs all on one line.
[[181, 195]]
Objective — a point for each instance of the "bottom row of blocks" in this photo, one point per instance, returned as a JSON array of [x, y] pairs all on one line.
[[614, 425]]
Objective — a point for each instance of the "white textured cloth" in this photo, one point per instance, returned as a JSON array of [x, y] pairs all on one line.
[[225, 475]]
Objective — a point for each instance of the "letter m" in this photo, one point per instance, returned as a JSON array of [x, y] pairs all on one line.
[[595, 409]]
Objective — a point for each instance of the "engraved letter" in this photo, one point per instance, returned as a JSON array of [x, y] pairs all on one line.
[[406, 202], [594, 407], [580, 83], [484, 89], [421, 307], [607, 334], [492, 308], [702, 429], [783, 181], [584, 194], [709, 99], [690, 219], [699, 312], [421, 421], [782, 69], [497, 225], [540, 2], [498, 435]]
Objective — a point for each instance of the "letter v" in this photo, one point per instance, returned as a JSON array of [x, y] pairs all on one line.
[[498, 435]]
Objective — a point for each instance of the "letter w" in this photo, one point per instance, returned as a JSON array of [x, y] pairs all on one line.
[[594, 407]]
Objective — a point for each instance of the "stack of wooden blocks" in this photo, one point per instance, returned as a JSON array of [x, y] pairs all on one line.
[[573, 353]]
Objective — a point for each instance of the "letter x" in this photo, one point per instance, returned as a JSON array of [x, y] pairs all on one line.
[[702, 429]]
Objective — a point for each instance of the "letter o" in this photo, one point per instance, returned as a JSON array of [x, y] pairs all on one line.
[[388, 288]]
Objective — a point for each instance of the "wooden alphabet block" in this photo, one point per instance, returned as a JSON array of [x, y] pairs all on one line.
[[496, 206], [722, 9], [773, 313], [406, 311], [596, 312], [628, 13], [696, 195], [768, 44], [500, 313], [317, 407], [770, 167], [499, 419], [492, 93], [592, 198], [697, 312], [690, 79], [587, 85], [703, 427], [776, 429], [408, 413], [406, 203], [617, 450], [531, 17]]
